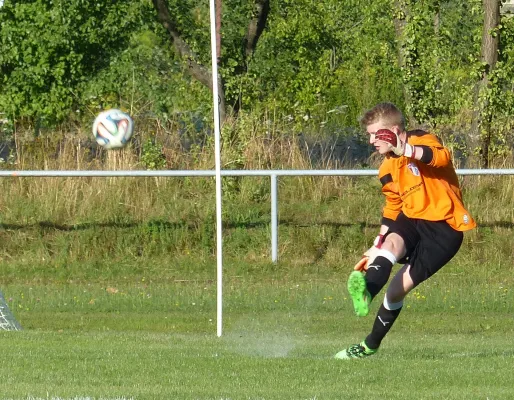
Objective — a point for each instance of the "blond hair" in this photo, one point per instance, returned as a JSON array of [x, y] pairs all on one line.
[[388, 113]]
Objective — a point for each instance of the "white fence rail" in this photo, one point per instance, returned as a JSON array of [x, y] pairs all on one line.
[[273, 174]]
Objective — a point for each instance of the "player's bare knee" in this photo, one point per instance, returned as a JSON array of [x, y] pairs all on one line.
[[400, 285], [395, 244]]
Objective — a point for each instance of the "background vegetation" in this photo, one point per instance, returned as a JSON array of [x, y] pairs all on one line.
[[448, 64]]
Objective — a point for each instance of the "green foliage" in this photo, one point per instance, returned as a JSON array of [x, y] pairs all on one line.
[[63, 61], [498, 96], [147, 79], [49, 48], [6, 128], [152, 156], [307, 68], [441, 42]]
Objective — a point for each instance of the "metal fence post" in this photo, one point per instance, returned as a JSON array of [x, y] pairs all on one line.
[[274, 218]]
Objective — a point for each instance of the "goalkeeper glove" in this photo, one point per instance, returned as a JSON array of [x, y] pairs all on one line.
[[395, 144], [362, 265]]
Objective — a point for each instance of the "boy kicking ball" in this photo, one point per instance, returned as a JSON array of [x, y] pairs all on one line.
[[422, 226]]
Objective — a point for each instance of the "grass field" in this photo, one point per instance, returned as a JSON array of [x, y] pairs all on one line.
[[158, 341], [121, 304]]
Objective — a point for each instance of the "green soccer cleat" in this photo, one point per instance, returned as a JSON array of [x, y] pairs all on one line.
[[356, 351], [359, 294]]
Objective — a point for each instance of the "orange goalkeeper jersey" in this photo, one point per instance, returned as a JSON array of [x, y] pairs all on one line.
[[427, 189]]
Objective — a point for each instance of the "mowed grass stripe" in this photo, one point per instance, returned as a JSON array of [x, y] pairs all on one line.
[[264, 354]]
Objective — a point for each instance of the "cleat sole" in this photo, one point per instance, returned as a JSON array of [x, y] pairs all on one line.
[[358, 293]]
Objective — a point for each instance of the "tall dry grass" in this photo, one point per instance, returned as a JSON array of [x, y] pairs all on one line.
[[247, 143]]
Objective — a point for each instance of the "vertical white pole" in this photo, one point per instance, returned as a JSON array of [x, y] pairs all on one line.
[[219, 246], [274, 218]]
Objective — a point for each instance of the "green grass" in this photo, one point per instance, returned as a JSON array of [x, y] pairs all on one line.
[[116, 291], [254, 365], [158, 341]]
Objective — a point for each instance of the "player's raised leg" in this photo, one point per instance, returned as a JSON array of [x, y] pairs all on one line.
[[364, 287]]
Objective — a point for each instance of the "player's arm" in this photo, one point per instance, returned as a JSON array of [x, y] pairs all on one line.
[[393, 201], [428, 149], [421, 146]]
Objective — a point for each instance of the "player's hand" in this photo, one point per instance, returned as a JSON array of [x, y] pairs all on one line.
[[392, 140], [395, 144], [362, 265]]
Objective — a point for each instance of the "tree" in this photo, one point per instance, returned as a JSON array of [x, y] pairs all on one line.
[[49, 48], [196, 66], [400, 18], [483, 113]]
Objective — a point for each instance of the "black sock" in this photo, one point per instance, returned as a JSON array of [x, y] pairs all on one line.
[[377, 275], [383, 323]]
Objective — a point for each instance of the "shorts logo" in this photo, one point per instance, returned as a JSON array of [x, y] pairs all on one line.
[[465, 218], [412, 167]]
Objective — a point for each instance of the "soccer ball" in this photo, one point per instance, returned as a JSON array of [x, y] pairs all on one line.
[[112, 129]]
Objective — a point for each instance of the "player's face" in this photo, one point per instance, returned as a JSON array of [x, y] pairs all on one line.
[[381, 147]]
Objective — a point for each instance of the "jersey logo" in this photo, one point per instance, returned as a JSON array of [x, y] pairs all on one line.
[[412, 167], [465, 218]]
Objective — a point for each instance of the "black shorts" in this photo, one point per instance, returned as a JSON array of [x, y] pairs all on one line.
[[430, 245]]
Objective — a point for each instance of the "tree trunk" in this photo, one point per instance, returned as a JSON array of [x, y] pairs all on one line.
[[198, 71], [254, 31], [481, 124], [195, 68], [221, 89], [218, 30], [400, 17]]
